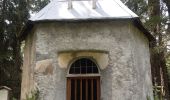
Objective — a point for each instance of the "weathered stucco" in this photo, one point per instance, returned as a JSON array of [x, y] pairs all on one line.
[[27, 85], [127, 75], [64, 58]]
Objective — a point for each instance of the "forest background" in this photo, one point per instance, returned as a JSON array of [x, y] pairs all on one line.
[[14, 14]]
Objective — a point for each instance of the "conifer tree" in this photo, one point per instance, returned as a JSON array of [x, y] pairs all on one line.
[[13, 15]]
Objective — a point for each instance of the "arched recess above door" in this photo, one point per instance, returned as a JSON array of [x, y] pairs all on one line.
[[65, 57]]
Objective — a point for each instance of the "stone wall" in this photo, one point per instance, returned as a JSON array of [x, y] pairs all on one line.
[[127, 75], [27, 85]]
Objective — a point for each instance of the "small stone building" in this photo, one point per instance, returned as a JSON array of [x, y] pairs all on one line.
[[86, 50]]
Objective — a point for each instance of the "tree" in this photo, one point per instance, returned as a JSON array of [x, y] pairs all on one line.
[[140, 7], [37, 5], [153, 15], [13, 15], [167, 2], [158, 50]]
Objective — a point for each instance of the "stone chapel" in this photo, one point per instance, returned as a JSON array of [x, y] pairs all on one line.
[[86, 50]]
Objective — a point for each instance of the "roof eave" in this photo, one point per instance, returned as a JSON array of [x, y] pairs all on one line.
[[136, 21], [5, 87], [30, 23]]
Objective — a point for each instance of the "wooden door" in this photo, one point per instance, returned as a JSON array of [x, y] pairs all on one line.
[[83, 88]]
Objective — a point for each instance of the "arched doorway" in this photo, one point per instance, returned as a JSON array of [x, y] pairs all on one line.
[[83, 81]]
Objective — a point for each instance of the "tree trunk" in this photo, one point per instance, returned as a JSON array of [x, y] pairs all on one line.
[[158, 64]]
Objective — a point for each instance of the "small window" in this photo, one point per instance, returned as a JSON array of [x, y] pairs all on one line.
[[83, 66], [85, 87]]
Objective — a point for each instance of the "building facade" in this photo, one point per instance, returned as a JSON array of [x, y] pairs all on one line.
[[78, 50]]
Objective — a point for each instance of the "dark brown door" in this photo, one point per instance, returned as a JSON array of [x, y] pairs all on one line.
[[83, 88]]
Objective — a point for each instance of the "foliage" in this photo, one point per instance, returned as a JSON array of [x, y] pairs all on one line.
[[140, 7], [168, 66], [36, 5], [14, 99], [13, 15], [33, 96], [148, 97]]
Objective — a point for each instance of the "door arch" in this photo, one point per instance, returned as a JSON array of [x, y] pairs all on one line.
[[83, 80]]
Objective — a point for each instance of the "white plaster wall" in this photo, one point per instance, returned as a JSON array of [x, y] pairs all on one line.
[[128, 75]]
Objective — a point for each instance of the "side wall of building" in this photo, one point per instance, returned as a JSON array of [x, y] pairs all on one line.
[[27, 85], [141, 58], [128, 74]]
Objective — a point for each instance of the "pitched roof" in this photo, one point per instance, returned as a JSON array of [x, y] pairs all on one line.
[[82, 9], [5, 87]]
